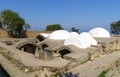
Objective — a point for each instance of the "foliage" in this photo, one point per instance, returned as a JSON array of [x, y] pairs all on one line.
[[36, 75], [115, 27], [12, 22], [67, 74], [74, 29], [102, 74], [54, 27]]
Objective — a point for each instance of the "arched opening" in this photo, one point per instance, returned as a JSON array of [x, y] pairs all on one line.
[[30, 48], [64, 52], [44, 46], [40, 37]]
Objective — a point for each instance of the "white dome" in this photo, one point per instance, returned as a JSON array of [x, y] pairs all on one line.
[[74, 34], [89, 40], [99, 32], [83, 40], [59, 35], [79, 42], [45, 34]]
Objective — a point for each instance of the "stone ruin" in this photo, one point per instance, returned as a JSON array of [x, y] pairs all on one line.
[[46, 53], [47, 49], [35, 54]]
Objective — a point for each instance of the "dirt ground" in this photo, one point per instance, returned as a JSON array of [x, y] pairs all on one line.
[[3, 34]]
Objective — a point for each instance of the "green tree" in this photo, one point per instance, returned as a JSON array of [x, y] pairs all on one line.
[[54, 27], [115, 27], [12, 22], [74, 29]]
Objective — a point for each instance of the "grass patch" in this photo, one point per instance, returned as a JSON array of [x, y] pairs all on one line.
[[102, 74]]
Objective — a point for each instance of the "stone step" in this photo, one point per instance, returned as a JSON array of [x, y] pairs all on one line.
[[12, 69], [95, 67], [77, 57]]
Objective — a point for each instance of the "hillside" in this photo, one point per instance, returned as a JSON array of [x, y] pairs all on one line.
[[28, 33]]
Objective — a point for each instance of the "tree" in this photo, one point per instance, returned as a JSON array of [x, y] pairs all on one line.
[[115, 27], [54, 27], [74, 29], [12, 22]]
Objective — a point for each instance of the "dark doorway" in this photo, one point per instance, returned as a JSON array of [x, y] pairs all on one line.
[[44, 46], [30, 48], [64, 52], [40, 37]]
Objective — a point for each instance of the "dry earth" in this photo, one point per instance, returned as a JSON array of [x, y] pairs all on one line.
[[29, 33]]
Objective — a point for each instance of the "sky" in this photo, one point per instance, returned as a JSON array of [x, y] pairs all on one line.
[[82, 14]]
